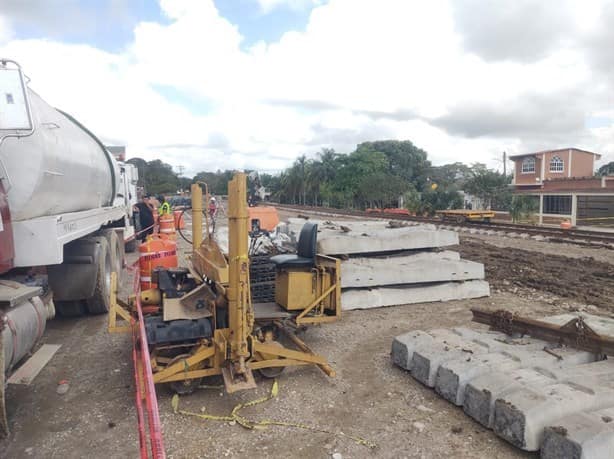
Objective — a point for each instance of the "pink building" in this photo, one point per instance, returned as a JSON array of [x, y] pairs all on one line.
[[564, 182]]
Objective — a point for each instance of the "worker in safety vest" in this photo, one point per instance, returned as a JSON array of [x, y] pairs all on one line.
[[165, 207]]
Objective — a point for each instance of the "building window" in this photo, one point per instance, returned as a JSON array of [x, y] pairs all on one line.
[[558, 205], [528, 165], [556, 164]]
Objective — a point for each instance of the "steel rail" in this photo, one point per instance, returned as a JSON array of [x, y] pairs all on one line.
[[575, 333], [580, 237]]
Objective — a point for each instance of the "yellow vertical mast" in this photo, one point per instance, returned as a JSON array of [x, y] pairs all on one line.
[[197, 216], [240, 316]]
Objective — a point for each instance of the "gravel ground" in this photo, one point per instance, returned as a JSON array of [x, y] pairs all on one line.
[[369, 397]]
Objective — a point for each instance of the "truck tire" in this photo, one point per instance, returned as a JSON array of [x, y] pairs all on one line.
[[116, 249], [98, 303], [70, 308]]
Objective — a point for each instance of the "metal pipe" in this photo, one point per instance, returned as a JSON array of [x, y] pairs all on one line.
[[197, 216]]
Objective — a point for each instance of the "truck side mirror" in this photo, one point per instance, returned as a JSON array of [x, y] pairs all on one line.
[[15, 114]]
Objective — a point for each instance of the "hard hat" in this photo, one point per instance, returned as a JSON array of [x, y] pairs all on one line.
[[212, 199]]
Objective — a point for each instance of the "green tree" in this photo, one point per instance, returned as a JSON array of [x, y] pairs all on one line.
[[404, 159], [440, 199], [412, 200], [606, 169], [490, 186], [380, 190], [450, 175], [156, 176], [522, 207]]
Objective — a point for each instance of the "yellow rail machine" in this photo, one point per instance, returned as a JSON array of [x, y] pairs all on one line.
[[207, 324]]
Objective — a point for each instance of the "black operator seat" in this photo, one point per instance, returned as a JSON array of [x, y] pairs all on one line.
[[306, 253]]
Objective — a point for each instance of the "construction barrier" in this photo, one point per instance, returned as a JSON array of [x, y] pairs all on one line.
[[179, 220], [167, 225], [157, 250]]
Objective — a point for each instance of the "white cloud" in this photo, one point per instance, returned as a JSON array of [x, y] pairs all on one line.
[[6, 31], [268, 5], [362, 70]]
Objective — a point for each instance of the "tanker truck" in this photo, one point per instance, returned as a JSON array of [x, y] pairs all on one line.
[[66, 218]]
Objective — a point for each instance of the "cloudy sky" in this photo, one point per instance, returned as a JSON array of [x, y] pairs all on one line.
[[208, 84]]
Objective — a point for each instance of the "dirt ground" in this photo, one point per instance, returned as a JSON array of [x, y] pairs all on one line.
[[369, 397], [581, 279]]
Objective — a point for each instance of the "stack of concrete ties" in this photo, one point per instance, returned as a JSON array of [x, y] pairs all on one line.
[[384, 266], [529, 392]]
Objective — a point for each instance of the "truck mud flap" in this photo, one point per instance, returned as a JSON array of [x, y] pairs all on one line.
[[75, 279]]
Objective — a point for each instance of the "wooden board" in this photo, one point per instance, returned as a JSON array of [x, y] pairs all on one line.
[[29, 370]]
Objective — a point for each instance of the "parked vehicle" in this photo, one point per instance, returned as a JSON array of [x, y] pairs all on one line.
[[66, 216]]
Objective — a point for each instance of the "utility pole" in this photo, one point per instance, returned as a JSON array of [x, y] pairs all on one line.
[[504, 164], [180, 168]]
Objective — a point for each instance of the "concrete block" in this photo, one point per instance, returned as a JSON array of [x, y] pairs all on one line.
[[424, 354], [522, 415], [588, 435], [422, 267], [459, 344], [384, 240], [453, 376], [390, 296], [404, 346], [326, 227], [483, 390]]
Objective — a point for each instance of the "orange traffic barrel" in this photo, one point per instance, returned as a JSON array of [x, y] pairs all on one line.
[[179, 221], [566, 224], [156, 252], [167, 225]]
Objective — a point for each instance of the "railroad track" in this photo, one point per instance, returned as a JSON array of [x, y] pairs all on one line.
[[575, 236]]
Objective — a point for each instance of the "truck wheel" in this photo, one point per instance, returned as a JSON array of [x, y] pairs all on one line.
[[70, 308], [99, 302], [116, 249]]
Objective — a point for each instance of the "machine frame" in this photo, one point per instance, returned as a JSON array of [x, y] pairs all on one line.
[[249, 341]]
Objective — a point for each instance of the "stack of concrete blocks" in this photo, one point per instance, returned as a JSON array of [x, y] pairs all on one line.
[[529, 392], [384, 266]]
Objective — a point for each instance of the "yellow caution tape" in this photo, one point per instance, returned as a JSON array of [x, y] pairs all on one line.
[[263, 424]]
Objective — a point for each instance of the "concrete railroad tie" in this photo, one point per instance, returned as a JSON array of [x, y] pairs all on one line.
[[531, 394]]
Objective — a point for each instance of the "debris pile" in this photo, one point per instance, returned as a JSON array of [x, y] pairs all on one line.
[[533, 393], [385, 265]]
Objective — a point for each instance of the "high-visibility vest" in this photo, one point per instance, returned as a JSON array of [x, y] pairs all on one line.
[[164, 209]]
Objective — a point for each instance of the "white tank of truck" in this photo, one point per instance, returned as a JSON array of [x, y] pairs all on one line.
[[59, 168], [65, 219]]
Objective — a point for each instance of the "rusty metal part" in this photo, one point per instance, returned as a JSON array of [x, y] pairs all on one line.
[[575, 333]]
